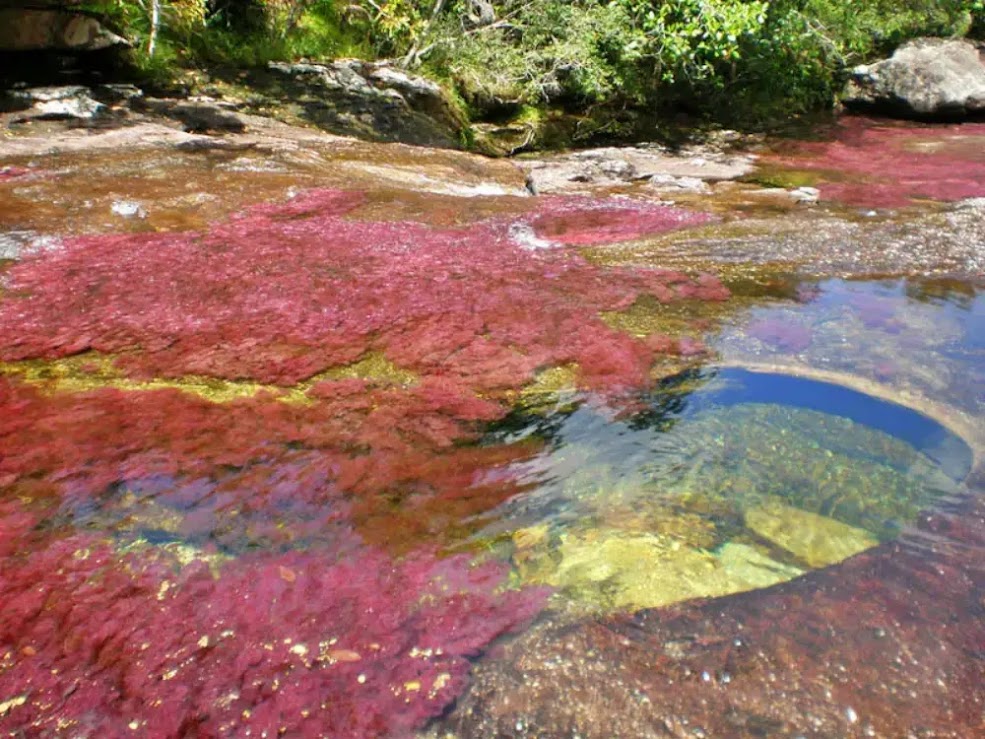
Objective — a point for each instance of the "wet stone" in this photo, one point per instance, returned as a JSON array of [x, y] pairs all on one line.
[[614, 569], [817, 540]]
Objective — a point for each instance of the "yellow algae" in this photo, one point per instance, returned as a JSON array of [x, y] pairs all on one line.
[[147, 513], [94, 371], [613, 569], [373, 367], [817, 540], [531, 536], [563, 378], [186, 554], [179, 553], [9, 705]]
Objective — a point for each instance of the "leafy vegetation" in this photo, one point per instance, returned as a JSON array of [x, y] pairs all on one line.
[[743, 61]]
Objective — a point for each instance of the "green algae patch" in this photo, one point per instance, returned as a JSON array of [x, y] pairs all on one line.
[[767, 175], [550, 388], [648, 316]]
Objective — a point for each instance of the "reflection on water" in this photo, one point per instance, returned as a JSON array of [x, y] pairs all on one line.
[[728, 481], [921, 338]]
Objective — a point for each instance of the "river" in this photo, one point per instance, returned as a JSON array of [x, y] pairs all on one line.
[[301, 436]]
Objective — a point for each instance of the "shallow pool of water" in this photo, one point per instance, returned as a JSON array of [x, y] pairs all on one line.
[[727, 480]]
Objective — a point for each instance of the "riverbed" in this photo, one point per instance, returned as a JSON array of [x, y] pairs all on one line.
[[302, 436]]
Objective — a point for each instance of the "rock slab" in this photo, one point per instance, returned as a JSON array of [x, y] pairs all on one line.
[[817, 540]]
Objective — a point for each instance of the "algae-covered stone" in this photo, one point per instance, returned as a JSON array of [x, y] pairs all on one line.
[[817, 540], [690, 529], [549, 388], [748, 566], [615, 569], [531, 536], [612, 569], [93, 371]]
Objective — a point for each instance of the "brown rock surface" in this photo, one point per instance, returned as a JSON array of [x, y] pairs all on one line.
[[887, 644]]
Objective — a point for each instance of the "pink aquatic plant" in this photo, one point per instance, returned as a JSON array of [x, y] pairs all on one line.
[[583, 221], [300, 644], [284, 292], [877, 312], [874, 164], [278, 295], [328, 610], [780, 334], [11, 172], [255, 471]]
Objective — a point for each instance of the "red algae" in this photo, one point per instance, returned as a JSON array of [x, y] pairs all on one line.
[[877, 312], [781, 334], [296, 643], [878, 165], [255, 472], [583, 221], [278, 295], [325, 608], [285, 291]]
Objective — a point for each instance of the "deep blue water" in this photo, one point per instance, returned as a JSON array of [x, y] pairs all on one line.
[[737, 386]]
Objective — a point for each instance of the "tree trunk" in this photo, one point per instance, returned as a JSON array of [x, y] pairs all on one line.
[[155, 22]]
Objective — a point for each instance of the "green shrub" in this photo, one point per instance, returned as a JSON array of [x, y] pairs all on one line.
[[737, 61]]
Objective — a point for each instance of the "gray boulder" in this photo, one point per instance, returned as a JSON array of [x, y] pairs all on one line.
[[686, 170], [37, 30], [925, 78], [66, 103], [371, 100]]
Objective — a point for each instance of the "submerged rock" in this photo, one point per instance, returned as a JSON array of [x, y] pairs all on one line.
[[817, 540], [617, 569], [925, 78], [893, 635], [746, 564]]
